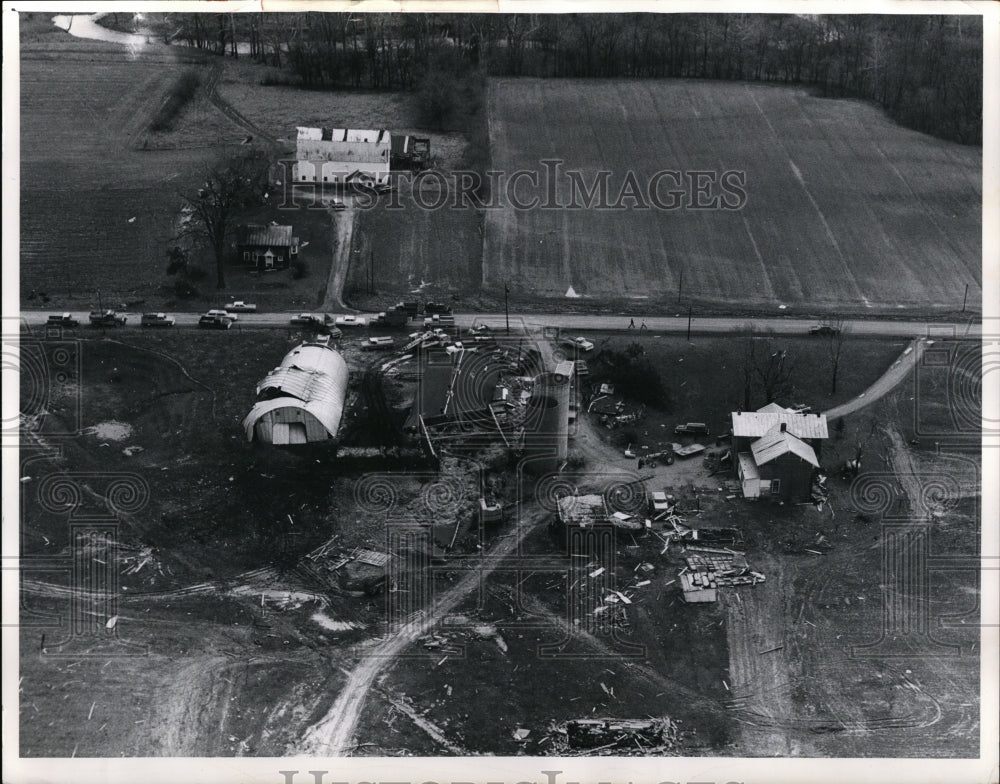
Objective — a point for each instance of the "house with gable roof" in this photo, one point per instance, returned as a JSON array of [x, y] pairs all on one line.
[[776, 451]]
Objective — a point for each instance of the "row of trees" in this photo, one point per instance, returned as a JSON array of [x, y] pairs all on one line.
[[925, 70]]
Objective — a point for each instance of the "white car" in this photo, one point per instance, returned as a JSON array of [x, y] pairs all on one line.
[[584, 344], [240, 307], [222, 314], [350, 321], [378, 343]]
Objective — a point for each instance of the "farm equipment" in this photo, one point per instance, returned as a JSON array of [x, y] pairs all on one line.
[[665, 456], [688, 451], [107, 318]]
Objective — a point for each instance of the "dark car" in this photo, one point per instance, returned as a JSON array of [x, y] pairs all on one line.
[[691, 429], [209, 321], [156, 320], [825, 330], [107, 318], [436, 307]]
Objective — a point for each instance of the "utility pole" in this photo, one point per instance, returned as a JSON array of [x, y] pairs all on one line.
[[506, 304], [689, 324], [371, 271], [965, 299], [680, 286]]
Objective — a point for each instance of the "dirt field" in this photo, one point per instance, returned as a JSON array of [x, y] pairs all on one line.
[[217, 596], [414, 253], [843, 208]]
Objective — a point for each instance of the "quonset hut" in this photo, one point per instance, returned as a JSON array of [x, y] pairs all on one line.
[[302, 400]]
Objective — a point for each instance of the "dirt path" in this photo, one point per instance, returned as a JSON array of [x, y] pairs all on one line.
[[889, 380], [211, 83], [761, 679], [343, 228], [333, 734]]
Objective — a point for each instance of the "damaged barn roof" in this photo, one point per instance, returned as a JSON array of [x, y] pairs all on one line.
[[754, 424]]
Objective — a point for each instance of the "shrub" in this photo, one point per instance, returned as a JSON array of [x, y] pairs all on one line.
[[180, 94], [299, 269]]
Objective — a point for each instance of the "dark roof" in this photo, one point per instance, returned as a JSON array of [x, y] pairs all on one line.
[[265, 236]]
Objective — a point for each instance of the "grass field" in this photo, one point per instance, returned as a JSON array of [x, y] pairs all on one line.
[[843, 208]]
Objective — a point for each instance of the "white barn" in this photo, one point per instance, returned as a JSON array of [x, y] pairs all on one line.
[[341, 156]]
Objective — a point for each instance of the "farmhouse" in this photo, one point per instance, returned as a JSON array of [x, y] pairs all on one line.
[[302, 400], [777, 450], [265, 248], [341, 156]]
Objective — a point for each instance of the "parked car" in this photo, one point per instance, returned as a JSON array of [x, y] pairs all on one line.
[[480, 329], [350, 321], [241, 307], [208, 321], [436, 307], [107, 318], [222, 312], [156, 320], [378, 344], [584, 344], [825, 330], [62, 320], [691, 429]]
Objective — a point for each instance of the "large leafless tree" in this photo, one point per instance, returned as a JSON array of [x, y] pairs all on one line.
[[228, 189]]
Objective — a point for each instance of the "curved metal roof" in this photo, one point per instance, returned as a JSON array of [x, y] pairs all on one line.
[[312, 377]]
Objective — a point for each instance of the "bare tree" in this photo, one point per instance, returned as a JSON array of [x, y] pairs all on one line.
[[774, 370], [834, 348], [228, 189], [747, 337]]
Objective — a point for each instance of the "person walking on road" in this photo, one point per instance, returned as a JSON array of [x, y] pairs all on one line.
[[643, 326], [631, 323]]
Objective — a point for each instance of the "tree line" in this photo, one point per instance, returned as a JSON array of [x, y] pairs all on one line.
[[926, 71]]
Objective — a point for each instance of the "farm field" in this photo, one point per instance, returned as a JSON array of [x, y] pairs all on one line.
[[414, 252], [97, 211], [843, 208]]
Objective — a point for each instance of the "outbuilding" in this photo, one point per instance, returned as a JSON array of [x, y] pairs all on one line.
[[302, 400]]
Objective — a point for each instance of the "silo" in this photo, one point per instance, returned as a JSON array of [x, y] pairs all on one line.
[[546, 434]]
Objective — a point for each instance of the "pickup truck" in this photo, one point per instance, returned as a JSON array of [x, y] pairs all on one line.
[[209, 321], [439, 320], [107, 318], [691, 429], [391, 318], [241, 307], [156, 320], [63, 320]]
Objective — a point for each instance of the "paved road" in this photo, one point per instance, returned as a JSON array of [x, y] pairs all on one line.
[[587, 324]]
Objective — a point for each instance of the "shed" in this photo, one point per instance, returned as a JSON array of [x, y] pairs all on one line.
[[302, 400]]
